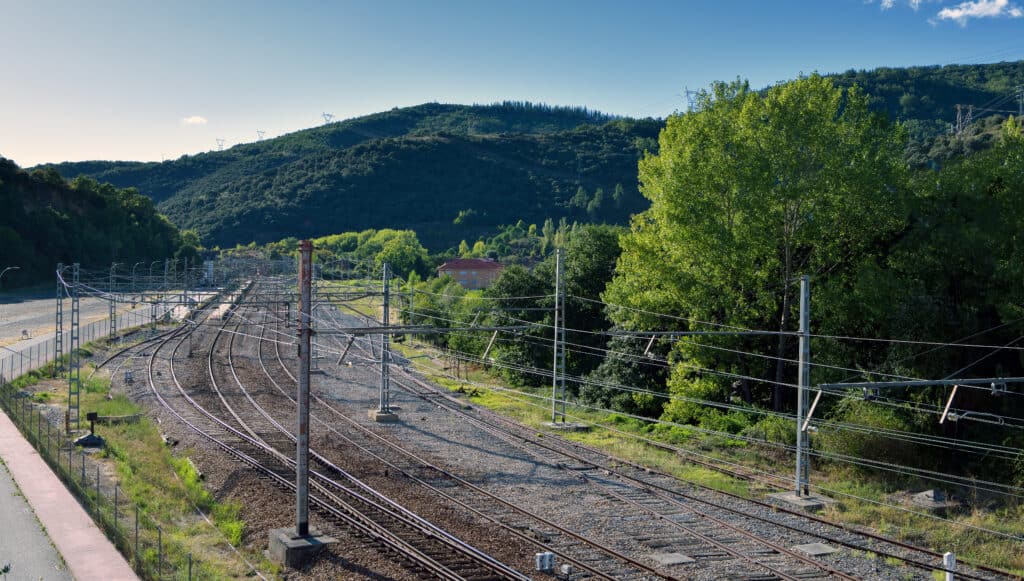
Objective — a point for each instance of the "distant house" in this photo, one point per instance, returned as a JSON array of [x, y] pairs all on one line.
[[471, 273]]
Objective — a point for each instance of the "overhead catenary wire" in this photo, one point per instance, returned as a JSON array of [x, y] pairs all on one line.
[[1006, 452], [588, 346], [784, 478], [914, 406], [938, 477], [647, 419]]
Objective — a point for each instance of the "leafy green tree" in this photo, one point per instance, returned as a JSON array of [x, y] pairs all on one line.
[[594, 206], [403, 254], [479, 249], [530, 348], [746, 194], [548, 231], [617, 194], [580, 199]]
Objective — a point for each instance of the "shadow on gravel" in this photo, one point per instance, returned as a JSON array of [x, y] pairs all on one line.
[[344, 564], [532, 476]]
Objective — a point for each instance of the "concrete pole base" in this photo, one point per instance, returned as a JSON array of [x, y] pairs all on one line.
[[294, 551], [383, 417], [810, 502]]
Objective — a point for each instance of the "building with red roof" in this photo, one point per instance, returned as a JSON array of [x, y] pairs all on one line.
[[472, 273]]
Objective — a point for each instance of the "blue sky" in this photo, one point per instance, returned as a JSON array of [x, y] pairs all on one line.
[[148, 80]]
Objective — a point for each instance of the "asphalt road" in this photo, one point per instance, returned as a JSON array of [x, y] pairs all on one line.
[[35, 314]]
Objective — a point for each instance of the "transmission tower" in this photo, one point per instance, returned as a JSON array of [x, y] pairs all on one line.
[[220, 144], [691, 99], [327, 117], [260, 134], [963, 119]]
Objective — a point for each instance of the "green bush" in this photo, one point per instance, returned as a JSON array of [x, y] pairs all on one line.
[[866, 444], [772, 429], [225, 514]]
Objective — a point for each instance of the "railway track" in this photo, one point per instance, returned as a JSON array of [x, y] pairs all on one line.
[[754, 558], [589, 557], [236, 403], [425, 549], [665, 497]]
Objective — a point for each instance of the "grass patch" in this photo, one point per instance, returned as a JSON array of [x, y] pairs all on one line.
[[165, 488], [842, 482]]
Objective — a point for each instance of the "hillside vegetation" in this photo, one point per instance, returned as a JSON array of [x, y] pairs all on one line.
[[457, 172], [448, 171], [48, 220]]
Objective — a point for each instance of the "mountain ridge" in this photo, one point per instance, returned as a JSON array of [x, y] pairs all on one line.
[[568, 161]]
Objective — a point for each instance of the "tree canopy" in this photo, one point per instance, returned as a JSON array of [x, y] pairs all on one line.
[[47, 220], [750, 191]]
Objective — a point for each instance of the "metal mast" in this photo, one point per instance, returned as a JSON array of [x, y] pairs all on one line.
[[558, 361], [385, 349], [113, 303], [74, 363], [803, 381], [58, 339], [302, 439]]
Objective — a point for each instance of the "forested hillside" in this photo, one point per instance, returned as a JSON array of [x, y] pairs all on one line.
[[449, 172], [925, 98], [48, 220], [457, 172]]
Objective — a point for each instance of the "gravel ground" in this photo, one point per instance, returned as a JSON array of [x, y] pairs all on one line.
[[556, 492]]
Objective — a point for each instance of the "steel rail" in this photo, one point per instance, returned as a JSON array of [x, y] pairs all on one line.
[[582, 565], [321, 482], [669, 491], [393, 509], [894, 542], [354, 520], [368, 528], [507, 436]]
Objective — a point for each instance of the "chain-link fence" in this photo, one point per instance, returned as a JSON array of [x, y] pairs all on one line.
[[18, 362], [136, 536]]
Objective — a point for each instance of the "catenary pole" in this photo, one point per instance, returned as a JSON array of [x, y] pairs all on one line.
[[803, 381], [385, 349], [302, 439], [558, 357]]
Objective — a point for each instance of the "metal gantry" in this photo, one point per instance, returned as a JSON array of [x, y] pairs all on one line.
[[74, 355], [58, 339]]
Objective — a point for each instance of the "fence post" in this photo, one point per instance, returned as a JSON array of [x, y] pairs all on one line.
[[84, 483], [949, 563], [97, 489], [138, 561], [115, 506], [190, 567], [159, 552]]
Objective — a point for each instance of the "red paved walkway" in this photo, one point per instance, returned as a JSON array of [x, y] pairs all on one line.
[[87, 552]]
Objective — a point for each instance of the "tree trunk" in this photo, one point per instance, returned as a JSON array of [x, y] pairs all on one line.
[[778, 393]]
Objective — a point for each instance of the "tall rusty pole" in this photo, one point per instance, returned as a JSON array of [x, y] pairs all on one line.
[[302, 438]]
